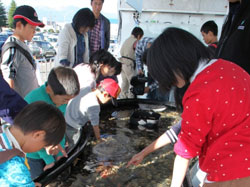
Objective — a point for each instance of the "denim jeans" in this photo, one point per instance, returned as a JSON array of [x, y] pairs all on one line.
[[157, 95], [36, 167]]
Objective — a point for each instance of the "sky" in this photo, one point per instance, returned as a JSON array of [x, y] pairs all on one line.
[[63, 10]]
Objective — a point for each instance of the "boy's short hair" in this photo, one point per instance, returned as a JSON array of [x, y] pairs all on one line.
[[28, 14], [17, 20], [93, 0], [210, 26], [106, 58], [137, 31], [83, 18], [63, 81], [42, 116]]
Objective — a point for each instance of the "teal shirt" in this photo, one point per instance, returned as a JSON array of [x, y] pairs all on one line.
[[40, 94]]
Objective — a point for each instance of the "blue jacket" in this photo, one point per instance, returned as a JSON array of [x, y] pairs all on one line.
[[13, 171], [10, 102]]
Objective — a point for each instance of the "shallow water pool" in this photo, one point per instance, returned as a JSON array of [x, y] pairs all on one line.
[[104, 171]]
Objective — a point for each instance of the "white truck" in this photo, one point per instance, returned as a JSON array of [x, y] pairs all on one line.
[[153, 16]]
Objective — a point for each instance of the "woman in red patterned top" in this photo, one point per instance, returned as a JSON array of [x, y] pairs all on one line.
[[216, 108]]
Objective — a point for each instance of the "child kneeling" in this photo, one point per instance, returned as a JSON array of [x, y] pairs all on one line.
[[38, 125]]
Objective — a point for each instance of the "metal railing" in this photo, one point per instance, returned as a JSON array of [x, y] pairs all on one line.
[[43, 68]]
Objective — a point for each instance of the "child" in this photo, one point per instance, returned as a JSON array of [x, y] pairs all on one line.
[[73, 42], [86, 107], [36, 126], [216, 108], [19, 70], [102, 64], [209, 31], [62, 86], [109, 66]]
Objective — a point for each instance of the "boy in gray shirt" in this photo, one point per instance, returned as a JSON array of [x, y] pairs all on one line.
[[86, 107], [17, 69]]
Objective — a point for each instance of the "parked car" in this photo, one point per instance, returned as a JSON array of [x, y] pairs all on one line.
[[46, 49], [36, 51], [53, 41], [3, 38]]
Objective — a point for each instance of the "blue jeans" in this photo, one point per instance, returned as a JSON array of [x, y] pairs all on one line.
[[157, 95], [36, 167]]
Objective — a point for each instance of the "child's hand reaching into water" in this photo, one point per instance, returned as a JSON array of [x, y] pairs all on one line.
[[54, 150], [48, 166], [137, 159]]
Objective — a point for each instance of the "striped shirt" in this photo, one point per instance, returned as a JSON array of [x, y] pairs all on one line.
[[9, 147], [139, 50], [13, 171]]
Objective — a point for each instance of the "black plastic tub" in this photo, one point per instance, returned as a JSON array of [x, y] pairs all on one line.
[[60, 166]]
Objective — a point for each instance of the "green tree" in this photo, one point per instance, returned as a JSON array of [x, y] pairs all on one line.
[[11, 12], [51, 31], [3, 18]]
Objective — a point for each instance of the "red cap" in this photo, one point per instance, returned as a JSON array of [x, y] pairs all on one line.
[[29, 14], [110, 86]]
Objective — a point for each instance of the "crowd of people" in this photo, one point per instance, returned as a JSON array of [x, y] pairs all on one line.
[[211, 85]]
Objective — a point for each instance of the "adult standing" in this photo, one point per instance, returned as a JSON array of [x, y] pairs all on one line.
[[234, 43], [73, 43], [128, 61], [141, 46], [152, 88], [100, 34]]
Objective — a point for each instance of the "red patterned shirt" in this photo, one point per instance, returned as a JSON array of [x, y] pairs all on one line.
[[216, 122]]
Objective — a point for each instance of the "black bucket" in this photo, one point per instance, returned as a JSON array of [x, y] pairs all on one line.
[[143, 118]]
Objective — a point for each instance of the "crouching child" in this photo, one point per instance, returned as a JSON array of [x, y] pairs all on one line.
[[62, 85], [86, 107], [38, 125]]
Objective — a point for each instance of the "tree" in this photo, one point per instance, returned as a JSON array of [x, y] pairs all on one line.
[[11, 12], [3, 18], [51, 31]]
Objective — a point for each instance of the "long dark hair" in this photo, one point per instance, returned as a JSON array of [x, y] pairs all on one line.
[[175, 52], [83, 18]]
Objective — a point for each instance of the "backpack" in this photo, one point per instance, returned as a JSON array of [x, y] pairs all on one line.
[[8, 45]]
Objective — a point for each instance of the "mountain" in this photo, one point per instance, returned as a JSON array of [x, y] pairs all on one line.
[[66, 15]]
